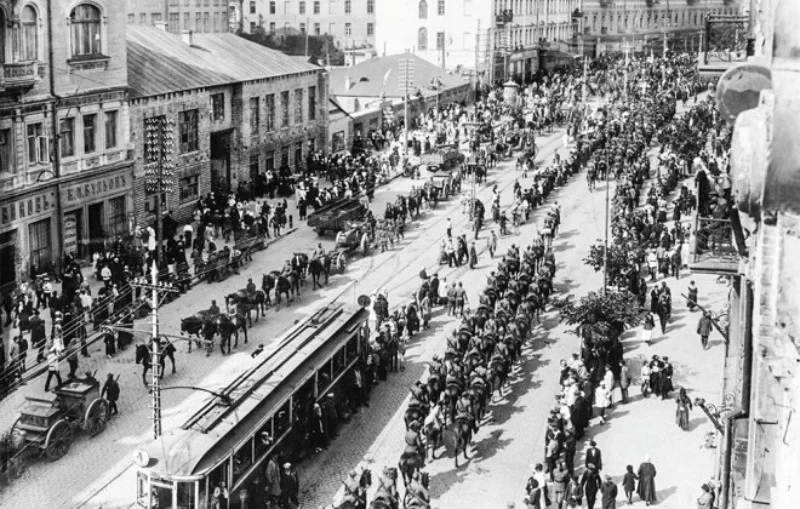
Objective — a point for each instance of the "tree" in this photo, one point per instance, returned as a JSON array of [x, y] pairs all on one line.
[[599, 317]]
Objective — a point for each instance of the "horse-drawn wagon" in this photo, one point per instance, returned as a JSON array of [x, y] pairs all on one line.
[[354, 236], [47, 426], [335, 216]]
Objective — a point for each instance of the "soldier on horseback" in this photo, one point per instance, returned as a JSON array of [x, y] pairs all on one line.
[[319, 252], [250, 288]]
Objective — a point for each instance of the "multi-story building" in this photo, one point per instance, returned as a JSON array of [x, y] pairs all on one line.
[[204, 16], [236, 109], [351, 23], [65, 177], [502, 38], [644, 25]]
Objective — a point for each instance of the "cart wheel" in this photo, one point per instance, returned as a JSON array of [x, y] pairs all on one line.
[[341, 262], [59, 438], [94, 422]]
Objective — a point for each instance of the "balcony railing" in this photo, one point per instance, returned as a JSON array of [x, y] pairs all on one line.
[[507, 16], [20, 74], [712, 248]]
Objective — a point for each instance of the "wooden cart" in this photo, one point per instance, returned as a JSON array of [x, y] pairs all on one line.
[[47, 426], [350, 240]]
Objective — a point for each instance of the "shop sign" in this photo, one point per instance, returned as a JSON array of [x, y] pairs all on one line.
[[70, 232], [98, 188], [26, 207]]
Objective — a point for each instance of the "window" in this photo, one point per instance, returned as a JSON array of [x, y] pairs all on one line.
[[111, 129], [348, 29], [131, 18], [422, 39], [254, 105], [67, 137], [29, 40], [348, 6], [187, 121], [298, 155], [269, 105], [198, 20], [317, 30], [423, 9], [439, 40], [186, 21], [39, 243], [189, 187], [269, 163], [284, 109], [370, 28], [174, 22], [271, 27], [302, 28], [217, 106], [155, 17], [143, 18], [252, 27], [206, 26], [272, 7], [89, 133], [370, 6], [252, 7], [117, 217], [37, 144], [440, 7], [85, 24], [302, 7], [316, 7], [298, 106], [6, 152], [312, 103]]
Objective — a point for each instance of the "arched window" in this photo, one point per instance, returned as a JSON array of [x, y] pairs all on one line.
[[422, 39], [29, 35], [85, 23], [423, 9]]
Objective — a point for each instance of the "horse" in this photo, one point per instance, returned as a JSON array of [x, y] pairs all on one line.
[[282, 285], [318, 267], [355, 496], [417, 494], [226, 326], [462, 429], [409, 464], [247, 303], [386, 496], [498, 373], [192, 327], [144, 358], [300, 265]]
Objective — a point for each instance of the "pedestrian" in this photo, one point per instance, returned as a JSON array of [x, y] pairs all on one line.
[[570, 446], [451, 300], [591, 482], [473, 256], [624, 380], [110, 391], [290, 487], [449, 229], [22, 356], [602, 400], [594, 456], [683, 407], [704, 327], [560, 478], [645, 374], [72, 361], [647, 328], [691, 298], [608, 494], [491, 243], [706, 499], [167, 352], [629, 483], [110, 342], [647, 481], [574, 493], [52, 369], [461, 299], [273, 475], [534, 498]]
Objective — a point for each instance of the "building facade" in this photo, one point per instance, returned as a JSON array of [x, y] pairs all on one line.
[[644, 25], [236, 110], [351, 23], [65, 175], [206, 16], [499, 38]]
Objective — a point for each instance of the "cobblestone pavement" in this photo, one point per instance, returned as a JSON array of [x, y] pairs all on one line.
[[91, 463]]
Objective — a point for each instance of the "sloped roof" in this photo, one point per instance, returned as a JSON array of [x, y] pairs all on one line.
[[160, 62], [383, 75]]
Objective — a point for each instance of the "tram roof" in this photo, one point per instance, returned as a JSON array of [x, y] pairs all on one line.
[[212, 433]]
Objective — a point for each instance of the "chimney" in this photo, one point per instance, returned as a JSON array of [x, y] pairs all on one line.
[[348, 84], [161, 25], [188, 37]]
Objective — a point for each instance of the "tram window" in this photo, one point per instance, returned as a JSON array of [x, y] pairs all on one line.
[[338, 362], [186, 495], [141, 490], [264, 439], [352, 347], [282, 420], [242, 460], [217, 476], [323, 378]]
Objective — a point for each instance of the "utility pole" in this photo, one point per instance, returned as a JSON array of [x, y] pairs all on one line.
[[157, 289], [159, 169], [605, 244], [406, 75]]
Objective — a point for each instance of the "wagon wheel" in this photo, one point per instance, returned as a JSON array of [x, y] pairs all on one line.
[[94, 422], [341, 262], [59, 438]]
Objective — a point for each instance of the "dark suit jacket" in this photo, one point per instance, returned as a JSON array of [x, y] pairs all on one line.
[[595, 457]]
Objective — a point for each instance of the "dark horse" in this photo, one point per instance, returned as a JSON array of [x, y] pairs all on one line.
[[247, 303], [144, 358], [355, 496], [318, 267], [192, 327], [226, 327], [462, 429], [288, 286]]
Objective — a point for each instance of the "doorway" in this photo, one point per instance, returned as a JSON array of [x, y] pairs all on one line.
[[221, 162], [96, 234], [8, 263]]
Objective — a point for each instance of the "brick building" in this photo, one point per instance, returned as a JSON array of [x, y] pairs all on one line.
[[208, 16], [238, 109], [65, 176]]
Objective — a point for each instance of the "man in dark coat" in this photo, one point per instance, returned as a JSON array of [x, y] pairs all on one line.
[[594, 456], [591, 485], [647, 483], [608, 493], [290, 486]]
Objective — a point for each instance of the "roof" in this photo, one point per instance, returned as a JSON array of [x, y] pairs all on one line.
[[160, 62], [337, 107], [382, 75]]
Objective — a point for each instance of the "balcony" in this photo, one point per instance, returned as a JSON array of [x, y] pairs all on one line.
[[507, 16], [20, 75], [712, 249]]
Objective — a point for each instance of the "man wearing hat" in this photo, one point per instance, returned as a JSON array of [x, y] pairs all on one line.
[[608, 493], [290, 486], [594, 456]]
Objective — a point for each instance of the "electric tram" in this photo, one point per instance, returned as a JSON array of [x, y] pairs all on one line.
[[258, 414]]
